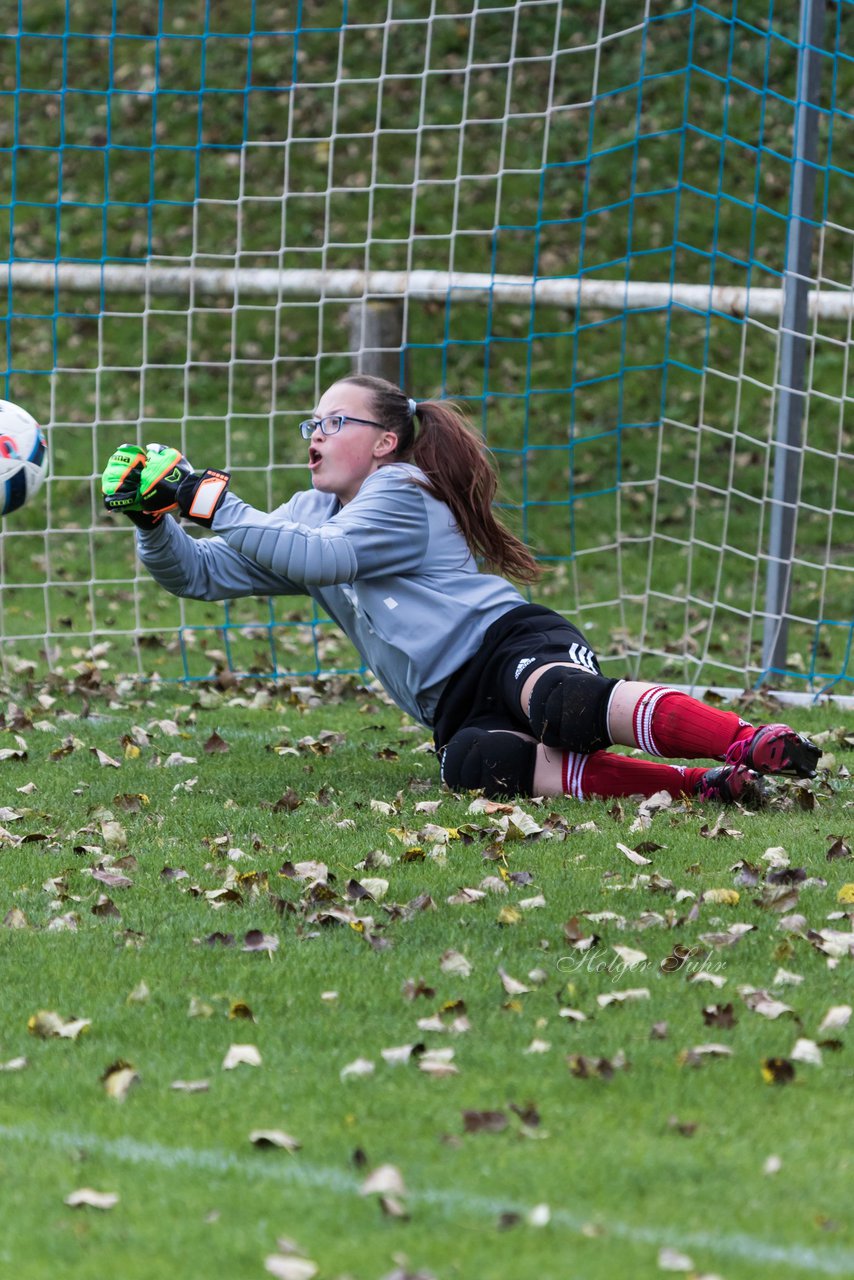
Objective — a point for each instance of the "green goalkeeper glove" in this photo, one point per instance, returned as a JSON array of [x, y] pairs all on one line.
[[120, 485], [169, 483]]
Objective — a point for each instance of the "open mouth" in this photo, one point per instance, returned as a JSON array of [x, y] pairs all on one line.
[[314, 456]]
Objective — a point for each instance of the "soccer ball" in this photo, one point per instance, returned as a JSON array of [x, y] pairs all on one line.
[[23, 457]]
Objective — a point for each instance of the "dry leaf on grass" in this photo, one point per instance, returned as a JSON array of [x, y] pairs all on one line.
[[719, 1015], [385, 1180], [697, 1056], [783, 978], [720, 830], [722, 897], [238, 1055], [85, 1197], [456, 963], [637, 858], [777, 1071], [484, 1121], [118, 1079], [574, 1015], [760, 1002], [619, 997], [274, 1138], [358, 1067], [256, 940], [511, 985], [587, 1068], [716, 980], [285, 1266], [48, 1025], [836, 1018], [673, 1260], [398, 1054], [464, 896], [806, 1051], [438, 1062]]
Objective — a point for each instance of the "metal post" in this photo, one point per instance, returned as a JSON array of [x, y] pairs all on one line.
[[376, 339], [788, 439]]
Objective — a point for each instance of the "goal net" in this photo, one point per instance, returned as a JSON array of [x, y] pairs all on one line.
[[620, 234]]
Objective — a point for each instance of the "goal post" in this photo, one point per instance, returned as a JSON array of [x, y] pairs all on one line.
[[585, 222]]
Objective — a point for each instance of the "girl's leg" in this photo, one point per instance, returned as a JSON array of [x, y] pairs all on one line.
[[603, 773], [667, 722], [504, 763]]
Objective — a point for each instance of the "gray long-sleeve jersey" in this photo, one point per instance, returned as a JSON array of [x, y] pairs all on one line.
[[391, 568]]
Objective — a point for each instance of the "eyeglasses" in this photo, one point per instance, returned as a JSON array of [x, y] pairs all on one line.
[[331, 425]]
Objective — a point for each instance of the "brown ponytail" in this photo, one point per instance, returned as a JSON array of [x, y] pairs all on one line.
[[458, 469]]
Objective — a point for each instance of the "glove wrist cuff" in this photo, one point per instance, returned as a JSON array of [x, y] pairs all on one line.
[[142, 519], [200, 495]]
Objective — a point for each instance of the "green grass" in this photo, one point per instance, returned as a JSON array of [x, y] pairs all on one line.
[[662, 1154]]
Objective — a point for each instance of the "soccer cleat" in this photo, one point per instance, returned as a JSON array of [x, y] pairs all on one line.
[[775, 748], [732, 784]]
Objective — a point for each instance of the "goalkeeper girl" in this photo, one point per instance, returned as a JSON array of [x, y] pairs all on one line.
[[387, 542]]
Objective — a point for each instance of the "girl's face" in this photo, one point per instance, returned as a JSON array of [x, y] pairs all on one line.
[[340, 463]]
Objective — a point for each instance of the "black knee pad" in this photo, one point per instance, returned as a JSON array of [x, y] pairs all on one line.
[[569, 709], [497, 763]]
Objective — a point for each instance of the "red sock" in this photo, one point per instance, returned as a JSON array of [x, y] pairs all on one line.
[[602, 773], [670, 723]]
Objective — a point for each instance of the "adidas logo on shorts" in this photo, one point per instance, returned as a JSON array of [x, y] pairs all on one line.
[[525, 662]]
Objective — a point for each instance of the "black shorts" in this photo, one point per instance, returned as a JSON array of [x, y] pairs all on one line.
[[490, 683]]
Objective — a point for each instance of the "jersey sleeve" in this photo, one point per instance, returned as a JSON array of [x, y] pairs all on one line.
[[204, 568], [383, 531]]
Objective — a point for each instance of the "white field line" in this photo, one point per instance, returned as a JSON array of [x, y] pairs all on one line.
[[298, 1172]]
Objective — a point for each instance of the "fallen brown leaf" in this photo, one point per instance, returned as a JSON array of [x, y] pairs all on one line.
[[484, 1121], [274, 1138], [86, 1197], [241, 1055], [48, 1025], [777, 1071], [118, 1080], [385, 1180]]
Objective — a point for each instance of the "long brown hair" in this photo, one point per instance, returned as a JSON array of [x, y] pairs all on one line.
[[458, 468]]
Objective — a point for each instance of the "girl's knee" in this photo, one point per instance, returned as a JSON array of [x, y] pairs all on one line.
[[497, 762]]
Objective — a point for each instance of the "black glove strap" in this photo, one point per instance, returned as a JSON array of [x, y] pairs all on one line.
[[200, 494]]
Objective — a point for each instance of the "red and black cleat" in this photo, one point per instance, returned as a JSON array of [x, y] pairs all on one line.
[[775, 748], [732, 784]]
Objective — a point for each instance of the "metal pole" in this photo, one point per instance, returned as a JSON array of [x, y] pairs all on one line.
[[788, 440], [376, 338]]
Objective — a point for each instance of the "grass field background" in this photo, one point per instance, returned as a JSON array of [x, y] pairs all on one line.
[[635, 448], [204, 803]]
